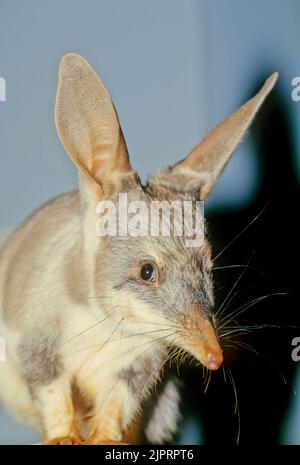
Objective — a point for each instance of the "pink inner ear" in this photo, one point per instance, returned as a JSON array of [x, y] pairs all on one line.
[[100, 166], [88, 125]]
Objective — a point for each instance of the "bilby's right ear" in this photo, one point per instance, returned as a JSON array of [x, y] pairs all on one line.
[[89, 128]]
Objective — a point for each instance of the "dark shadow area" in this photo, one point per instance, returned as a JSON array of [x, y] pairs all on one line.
[[263, 372]]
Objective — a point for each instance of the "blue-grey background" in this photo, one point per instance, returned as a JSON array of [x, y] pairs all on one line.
[[174, 69]]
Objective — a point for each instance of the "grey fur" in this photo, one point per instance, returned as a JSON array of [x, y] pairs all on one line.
[[166, 416], [143, 375], [38, 359], [186, 278]]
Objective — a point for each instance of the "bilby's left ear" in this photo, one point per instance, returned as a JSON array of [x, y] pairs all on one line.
[[200, 170]]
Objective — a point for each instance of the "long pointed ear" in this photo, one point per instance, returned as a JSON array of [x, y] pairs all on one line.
[[200, 170], [89, 129]]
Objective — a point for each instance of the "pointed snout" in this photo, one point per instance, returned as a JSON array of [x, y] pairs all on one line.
[[201, 340]]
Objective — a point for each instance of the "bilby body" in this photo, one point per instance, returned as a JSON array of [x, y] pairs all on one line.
[[46, 353], [89, 320]]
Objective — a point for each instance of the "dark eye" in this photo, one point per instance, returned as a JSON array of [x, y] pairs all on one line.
[[148, 272]]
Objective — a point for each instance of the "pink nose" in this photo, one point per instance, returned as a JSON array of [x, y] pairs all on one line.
[[214, 360]]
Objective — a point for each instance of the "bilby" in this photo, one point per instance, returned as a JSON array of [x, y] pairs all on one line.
[[89, 320]]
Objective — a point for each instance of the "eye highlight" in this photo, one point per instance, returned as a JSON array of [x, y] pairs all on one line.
[[148, 273]]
